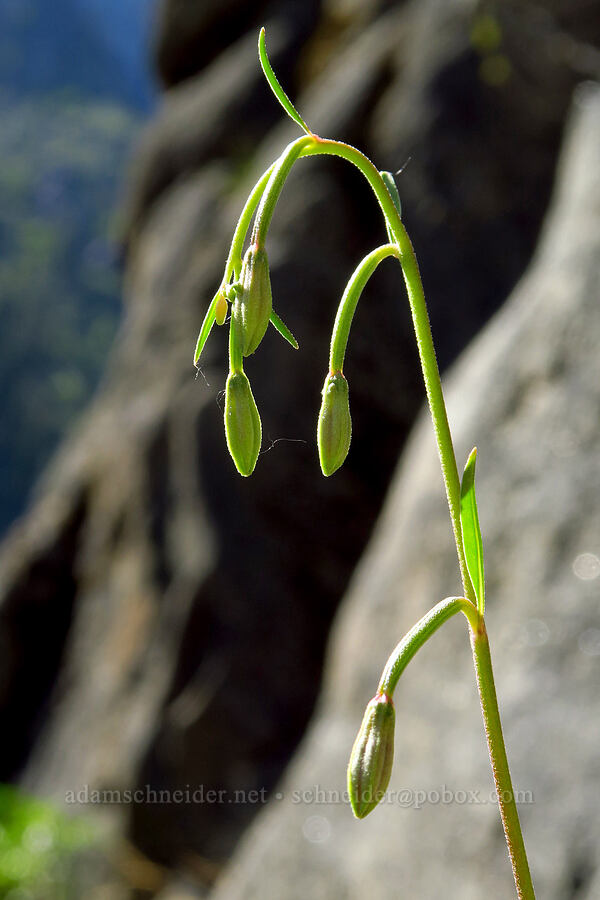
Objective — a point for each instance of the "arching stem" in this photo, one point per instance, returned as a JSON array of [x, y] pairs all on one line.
[[420, 317], [349, 302], [419, 634], [437, 406]]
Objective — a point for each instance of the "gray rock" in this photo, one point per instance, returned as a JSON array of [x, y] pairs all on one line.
[[191, 34], [528, 392]]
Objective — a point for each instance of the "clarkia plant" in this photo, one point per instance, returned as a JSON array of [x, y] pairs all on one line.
[[245, 292]]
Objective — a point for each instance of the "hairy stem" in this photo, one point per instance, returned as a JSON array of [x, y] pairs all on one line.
[[277, 177], [349, 301], [419, 634], [234, 260], [236, 358], [497, 750], [420, 317], [268, 190], [437, 406]]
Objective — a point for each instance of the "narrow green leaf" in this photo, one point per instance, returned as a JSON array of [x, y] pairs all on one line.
[[276, 87], [471, 533], [283, 330], [205, 330], [390, 183]]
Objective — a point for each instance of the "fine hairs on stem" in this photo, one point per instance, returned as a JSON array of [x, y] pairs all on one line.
[[246, 289]]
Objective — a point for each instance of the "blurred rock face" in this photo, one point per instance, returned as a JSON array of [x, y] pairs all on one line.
[[190, 34], [185, 610], [528, 390]]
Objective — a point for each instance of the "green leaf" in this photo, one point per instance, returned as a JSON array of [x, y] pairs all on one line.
[[276, 87], [471, 533], [390, 183], [205, 330], [283, 330]]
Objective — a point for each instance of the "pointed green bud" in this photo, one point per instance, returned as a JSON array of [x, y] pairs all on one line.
[[372, 756], [335, 425], [221, 308], [242, 423], [252, 309]]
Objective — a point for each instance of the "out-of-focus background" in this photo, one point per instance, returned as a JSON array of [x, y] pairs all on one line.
[[185, 654], [75, 87]]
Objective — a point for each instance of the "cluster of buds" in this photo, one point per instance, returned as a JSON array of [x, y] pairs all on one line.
[[251, 310], [246, 286]]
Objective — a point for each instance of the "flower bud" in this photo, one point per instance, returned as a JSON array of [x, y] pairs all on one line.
[[335, 425], [253, 307], [372, 756], [221, 308], [242, 423]]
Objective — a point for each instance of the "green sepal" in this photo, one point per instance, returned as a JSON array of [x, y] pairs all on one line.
[[390, 183], [206, 327], [372, 756], [471, 532], [283, 330]]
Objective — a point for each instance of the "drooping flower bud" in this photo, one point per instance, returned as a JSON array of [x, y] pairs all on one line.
[[252, 309], [372, 756], [221, 308], [242, 423], [335, 425]]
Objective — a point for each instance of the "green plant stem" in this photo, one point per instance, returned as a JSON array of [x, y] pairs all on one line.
[[236, 357], [433, 387], [420, 317], [497, 750], [234, 260], [314, 145], [349, 301], [277, 177], [419, 634]]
